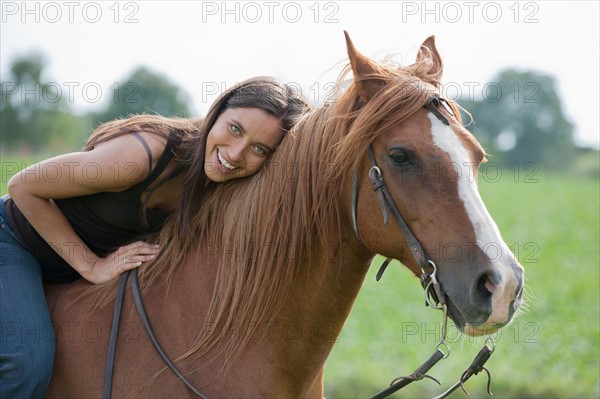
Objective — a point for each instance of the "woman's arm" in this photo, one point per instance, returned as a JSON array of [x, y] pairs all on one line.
[[114, 165]]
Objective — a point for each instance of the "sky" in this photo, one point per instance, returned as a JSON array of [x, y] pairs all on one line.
[[204, 47]]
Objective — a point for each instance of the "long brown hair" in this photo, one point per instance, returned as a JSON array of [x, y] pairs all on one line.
[[280, 100], [264, 92]]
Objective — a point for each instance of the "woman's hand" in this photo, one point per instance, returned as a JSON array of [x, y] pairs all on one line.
[[123, 259]]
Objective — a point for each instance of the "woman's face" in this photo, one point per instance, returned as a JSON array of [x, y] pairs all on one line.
[[240, 142]]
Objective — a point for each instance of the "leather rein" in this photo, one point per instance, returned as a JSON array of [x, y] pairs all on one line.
[[434, 295]]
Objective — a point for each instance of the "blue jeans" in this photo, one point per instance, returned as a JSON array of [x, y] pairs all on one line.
[[27, 341]]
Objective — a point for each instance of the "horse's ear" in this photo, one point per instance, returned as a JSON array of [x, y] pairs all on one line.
[[429, 51], [364, 71]]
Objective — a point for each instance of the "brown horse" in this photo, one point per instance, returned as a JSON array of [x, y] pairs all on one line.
[[254, 309]]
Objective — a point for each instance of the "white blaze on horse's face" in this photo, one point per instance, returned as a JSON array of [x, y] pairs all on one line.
[[506, 270]]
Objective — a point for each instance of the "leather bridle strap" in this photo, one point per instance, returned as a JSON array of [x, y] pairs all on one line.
[[387, 202], [417, 375], [432, 105], [385, 198], [137, 297], [112, 344]]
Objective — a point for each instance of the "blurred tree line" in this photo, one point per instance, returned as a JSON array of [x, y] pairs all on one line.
[[518, 116], [36, 113]]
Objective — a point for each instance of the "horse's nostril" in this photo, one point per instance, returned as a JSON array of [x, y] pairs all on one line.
[[489, 284], [485, 287]]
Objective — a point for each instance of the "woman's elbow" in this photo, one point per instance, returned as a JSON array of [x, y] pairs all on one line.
[[15, 186]]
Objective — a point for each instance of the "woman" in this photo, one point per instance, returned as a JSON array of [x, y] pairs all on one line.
[[89, 214]]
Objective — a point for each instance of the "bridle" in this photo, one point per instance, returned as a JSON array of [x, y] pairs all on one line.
[[386, 201], [434, 295]]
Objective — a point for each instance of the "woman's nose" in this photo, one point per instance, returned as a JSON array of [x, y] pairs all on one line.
[[236, 151]]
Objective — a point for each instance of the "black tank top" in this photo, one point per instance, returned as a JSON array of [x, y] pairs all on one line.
[[104, 221]]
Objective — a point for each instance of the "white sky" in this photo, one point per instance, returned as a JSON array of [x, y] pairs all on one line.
[[206, 46]]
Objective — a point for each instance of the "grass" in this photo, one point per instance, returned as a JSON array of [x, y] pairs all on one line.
[[550, 350]]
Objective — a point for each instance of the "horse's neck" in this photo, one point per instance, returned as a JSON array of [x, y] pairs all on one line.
[[289, 352], [317, 308]]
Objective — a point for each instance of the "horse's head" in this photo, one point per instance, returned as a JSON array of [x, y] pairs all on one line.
[[429, 163]]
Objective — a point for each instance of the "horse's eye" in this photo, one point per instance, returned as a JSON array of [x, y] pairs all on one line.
[[400, 157]]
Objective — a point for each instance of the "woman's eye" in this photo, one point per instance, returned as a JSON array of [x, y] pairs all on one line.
[[400, 157], [236, 130], [259, 150]]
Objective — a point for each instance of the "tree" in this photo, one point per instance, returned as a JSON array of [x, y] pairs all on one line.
[[22, 102], [35, 116], [145, 92], [521, 118]]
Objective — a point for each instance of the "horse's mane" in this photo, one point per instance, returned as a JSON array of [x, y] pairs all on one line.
[[266, 227]]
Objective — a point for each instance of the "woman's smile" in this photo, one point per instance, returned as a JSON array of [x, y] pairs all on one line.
[[224, 162]]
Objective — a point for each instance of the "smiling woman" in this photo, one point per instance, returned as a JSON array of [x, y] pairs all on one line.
[[240, 142], [147, 168]]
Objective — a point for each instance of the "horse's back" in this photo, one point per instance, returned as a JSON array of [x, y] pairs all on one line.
[[83, 322], [82, 335], [177, 314]]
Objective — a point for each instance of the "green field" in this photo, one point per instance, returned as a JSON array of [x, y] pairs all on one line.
[[552, 348]]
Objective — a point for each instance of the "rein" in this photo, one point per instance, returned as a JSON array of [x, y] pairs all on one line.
[[434, 295], [137, 297]]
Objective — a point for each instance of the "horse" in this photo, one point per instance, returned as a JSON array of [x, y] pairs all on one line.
[[254, 307]]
